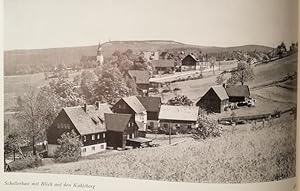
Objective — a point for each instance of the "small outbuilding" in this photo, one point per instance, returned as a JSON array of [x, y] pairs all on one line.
[[122, 131], [171, 116], [214, 100], [237, 93], [189, 62], [163, 66]]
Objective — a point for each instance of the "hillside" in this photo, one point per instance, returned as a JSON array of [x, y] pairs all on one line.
[[239, 157], [38, 59]]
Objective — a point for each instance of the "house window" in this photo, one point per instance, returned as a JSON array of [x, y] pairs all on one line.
[[93, 137], [68, 126], [84, 138], [132, 135], [98, 136], [93, 148], [84, 150], [103, 135], [128, 136]]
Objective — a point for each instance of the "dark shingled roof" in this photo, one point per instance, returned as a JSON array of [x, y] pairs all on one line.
[[237, 90], [88, 122], [163, 63], [141, 76], [151, 104], [116, 121], [192, 56]]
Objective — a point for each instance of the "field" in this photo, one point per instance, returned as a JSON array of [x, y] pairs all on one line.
[[18, 85], [265, 73], [241, 156]]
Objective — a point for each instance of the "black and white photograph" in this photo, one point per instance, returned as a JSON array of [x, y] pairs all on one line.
[[198, 91]]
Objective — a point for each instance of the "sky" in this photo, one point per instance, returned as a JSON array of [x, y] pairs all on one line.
[[34, 24]]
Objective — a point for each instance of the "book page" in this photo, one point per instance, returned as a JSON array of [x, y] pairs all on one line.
[[149, 95]]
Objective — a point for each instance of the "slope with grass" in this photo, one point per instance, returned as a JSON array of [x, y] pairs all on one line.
[[239, 157], [264, 74]]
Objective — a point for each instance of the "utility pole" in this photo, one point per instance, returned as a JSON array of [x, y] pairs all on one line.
[[169, 135], [8, 128]]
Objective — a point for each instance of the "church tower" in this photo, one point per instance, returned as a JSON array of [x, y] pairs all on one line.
[[100, 58]]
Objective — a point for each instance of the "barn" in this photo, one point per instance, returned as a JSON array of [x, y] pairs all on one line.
[[87, 121], [189, 62], [214, 100], [237, 93]]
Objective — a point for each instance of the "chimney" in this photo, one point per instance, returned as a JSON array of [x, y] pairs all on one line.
[[224, 85], [85, 107], [97, 105]]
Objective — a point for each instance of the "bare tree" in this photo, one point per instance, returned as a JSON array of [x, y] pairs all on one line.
[[36, 114], [244, 73]]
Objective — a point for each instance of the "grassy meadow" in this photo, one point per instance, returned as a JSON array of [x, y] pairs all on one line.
[[241, 156]]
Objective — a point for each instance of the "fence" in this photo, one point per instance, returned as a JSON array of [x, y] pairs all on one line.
[[275, 114]]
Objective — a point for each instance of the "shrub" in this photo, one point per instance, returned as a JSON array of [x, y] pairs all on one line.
[[69, 148], [27, 162], [207, 128], [180, 100]]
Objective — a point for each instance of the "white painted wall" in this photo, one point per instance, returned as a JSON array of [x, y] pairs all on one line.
[[142, 117], [88, 149], [93, 149]]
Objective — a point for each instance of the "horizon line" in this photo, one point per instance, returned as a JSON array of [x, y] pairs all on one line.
[[148, 40]]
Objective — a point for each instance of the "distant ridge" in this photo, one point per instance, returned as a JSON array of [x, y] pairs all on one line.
[[72, 55]]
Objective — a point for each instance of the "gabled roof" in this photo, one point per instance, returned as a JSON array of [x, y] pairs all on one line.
[[237, 90], [163, 63], [116, 121], [151, 104], [192, 56], [134, 103], [182, 113], [141, 76], [88, 122], [220, 91], [92, 110]]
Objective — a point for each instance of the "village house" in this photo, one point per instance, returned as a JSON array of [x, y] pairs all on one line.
[[132, 105], [163, 66], [190, 62], [237, 93], [141, 79], [179, 117], [123, 131], [152, 106], [214, 100], [87, 121], [148, 55]]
